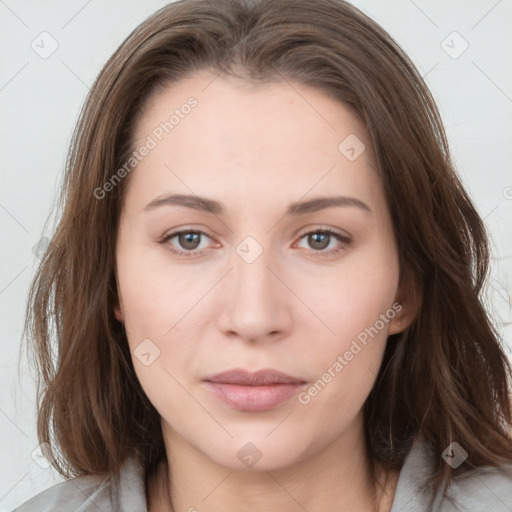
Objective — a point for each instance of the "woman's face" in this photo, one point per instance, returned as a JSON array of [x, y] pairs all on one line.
[[263, 286]]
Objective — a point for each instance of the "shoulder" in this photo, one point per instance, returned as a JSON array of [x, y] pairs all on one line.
[[94, 493], [88, 493], [481, 489]]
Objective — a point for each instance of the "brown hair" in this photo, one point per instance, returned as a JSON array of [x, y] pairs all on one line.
[[446, 377]]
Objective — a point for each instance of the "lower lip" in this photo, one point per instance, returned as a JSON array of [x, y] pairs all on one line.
[[253, 398]]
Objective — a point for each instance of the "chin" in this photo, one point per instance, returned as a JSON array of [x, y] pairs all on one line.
[[256, 453]]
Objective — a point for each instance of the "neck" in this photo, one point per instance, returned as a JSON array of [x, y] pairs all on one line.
[[337, 478]]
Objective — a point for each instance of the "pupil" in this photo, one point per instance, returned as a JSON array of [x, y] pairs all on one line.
[[189, 240], [317, 242]]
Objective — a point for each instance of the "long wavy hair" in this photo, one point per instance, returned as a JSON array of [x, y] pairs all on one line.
[[446, 377]]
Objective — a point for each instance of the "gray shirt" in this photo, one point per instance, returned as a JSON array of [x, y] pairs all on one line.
[[485, 489]]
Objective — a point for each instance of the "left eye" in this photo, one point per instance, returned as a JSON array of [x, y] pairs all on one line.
[[189, 241], [321, 239]]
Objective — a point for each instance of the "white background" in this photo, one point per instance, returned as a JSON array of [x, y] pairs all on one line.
[[39, 104]]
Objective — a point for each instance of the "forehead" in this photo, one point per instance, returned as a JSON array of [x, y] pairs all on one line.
[[246, 139], [258, 111]]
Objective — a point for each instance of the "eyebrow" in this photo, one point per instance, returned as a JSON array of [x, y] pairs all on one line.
[[211, 206]]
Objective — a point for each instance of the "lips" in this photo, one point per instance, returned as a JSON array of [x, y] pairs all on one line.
[[259, 378], [259, 391]]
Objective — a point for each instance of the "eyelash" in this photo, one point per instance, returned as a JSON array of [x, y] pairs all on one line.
[[321, 253]]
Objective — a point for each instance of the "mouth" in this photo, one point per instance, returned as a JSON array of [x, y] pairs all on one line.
[[253, 392]]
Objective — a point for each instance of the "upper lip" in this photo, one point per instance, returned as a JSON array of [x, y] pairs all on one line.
[[259, 378]]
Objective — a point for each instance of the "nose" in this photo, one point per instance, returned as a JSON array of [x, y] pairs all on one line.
[[255, 301]]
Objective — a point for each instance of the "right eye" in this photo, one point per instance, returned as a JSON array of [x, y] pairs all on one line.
[[188, 241]]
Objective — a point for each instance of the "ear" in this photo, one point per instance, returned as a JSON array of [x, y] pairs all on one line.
[[118, 308], [118, 312], [408, 304]]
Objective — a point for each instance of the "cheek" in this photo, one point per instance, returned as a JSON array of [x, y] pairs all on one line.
[[155, 296], [160, 305], [348, 365], [358, 306], [354, 299]]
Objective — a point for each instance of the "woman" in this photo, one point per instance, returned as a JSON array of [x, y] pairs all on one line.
[[266, 280]]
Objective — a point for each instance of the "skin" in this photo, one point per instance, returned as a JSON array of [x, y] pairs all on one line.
[[256, 150]]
